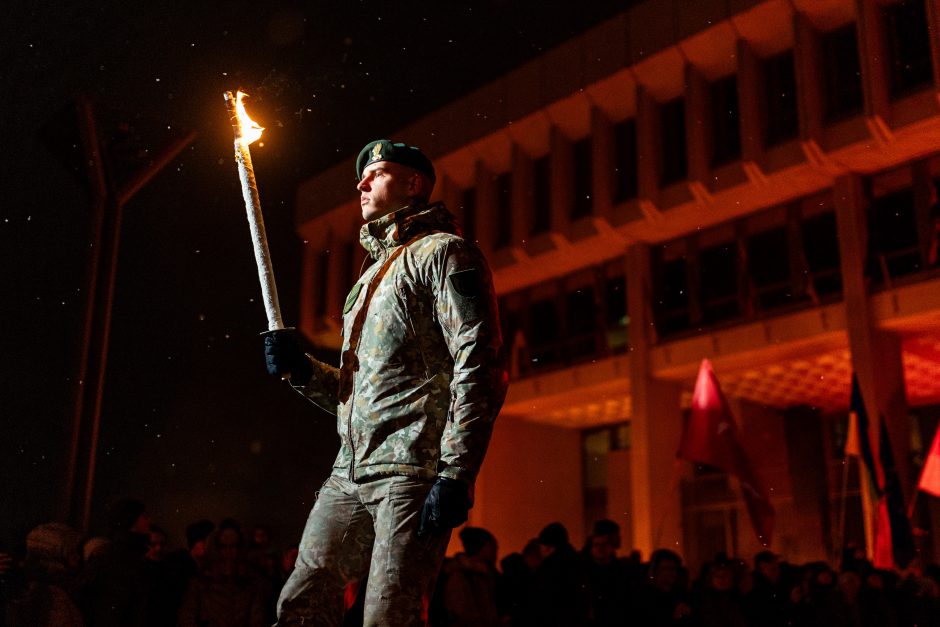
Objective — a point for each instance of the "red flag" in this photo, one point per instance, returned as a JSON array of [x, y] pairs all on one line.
[[883, 553], [894, 541], [930, 475], [711, 437]]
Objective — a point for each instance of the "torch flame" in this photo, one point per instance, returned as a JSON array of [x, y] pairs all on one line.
[[251, 130]]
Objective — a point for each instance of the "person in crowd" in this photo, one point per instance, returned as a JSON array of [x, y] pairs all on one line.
[[662, 600], [918, 599], [609, 579], [286, 562], [767, 602], [264, 564], [609, 529], [718, 602], [116, 584], [40, 593], [514, 588], [816, 599], [156, 545], [559, 593], [225, 594], [470, 582], [181, 567]]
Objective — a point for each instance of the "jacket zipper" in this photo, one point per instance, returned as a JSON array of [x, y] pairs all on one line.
[[352, 392]]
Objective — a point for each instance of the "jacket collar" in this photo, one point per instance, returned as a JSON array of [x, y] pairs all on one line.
[[398, 227]]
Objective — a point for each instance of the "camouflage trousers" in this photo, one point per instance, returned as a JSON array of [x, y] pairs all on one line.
[[359, 528]]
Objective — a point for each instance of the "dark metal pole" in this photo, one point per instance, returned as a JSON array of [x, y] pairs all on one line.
[[107, 215]]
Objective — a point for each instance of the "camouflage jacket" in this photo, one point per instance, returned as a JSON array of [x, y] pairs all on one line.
[[422, 374]]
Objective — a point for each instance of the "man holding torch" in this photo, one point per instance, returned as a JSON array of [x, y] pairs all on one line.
[[421, 379]]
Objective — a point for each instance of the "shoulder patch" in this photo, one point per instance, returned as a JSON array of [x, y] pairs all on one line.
[[466, 283]]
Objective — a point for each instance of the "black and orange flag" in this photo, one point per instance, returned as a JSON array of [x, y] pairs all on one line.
[[711, 437], [894, 540]]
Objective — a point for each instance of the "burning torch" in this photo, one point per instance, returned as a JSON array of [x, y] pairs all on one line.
[[246, 132]]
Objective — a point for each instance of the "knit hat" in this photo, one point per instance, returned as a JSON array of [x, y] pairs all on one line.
[[53, 542]]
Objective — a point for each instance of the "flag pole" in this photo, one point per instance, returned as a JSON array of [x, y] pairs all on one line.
[[910, 506], [844, 497]]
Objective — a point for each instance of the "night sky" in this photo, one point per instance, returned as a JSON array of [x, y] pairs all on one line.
[[191, 423]]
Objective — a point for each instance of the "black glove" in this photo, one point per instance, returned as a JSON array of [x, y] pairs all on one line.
[[284, 356], [445, 507]]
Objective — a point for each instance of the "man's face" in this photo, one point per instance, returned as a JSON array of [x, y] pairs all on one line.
[[141, 526], [156, 545], [386, 187], [601, 549]]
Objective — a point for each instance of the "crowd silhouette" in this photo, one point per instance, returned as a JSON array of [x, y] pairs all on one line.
[[227, 577]]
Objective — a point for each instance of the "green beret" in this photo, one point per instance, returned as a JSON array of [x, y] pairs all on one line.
[[385, 150]]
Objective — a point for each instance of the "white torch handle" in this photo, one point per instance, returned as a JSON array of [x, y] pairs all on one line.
[[259, 239]]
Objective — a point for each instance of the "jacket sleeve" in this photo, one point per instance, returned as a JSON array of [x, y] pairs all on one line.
[[465, 306], [323, 388]]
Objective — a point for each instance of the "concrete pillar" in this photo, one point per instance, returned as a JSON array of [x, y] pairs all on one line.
[[809, 79], [656, 424], [933, 24], [876, 353], [873, 59]]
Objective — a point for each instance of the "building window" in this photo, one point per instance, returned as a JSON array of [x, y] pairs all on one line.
[[583, 179], [595, 448], [674, 166], [625, 179], [468, 212], [893, 246], [726, 119], [671, 303], [503, 210], [842, 74], [541, 183], [511, 309], [581, 323], [719, 282], [768, 268], [908, 46], [781, 118], [821, 254], [616, 313], [596, 445], [544, 333]]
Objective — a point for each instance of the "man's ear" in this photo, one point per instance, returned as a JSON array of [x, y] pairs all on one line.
[[418, 186]]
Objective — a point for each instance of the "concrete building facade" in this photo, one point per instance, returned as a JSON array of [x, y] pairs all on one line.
[[752, 182]]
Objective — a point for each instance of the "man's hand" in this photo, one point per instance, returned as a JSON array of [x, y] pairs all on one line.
[[446, 506], [284, 357]]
